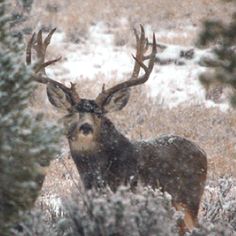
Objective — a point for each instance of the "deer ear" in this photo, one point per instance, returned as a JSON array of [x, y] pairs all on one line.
[[58, 97], [117, 101]]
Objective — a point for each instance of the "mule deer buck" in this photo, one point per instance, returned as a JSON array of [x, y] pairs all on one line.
[[105, 157]]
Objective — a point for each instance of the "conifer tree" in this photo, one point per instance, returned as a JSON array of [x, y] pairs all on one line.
[[224, 35], [27, 144]]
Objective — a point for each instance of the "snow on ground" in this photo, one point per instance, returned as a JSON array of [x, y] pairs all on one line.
[[53, 203], [172, 84], [97, 55]]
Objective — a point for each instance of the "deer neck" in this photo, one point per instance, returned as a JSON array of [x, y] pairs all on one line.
[[111, 139], [109, 162]]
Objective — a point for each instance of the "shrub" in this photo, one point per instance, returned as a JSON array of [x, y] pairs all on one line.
[[146, 212], [219, 209], [26, 143], [225, 54]]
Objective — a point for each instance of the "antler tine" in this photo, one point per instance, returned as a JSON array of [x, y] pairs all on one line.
[[134, 80], [47, 63], [141, 48], [148, 69], [74, 93], [47, 40], [29, 49], [39, 74], [39, 46]]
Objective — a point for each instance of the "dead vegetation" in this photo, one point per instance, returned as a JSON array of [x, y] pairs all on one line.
[[75, 17]]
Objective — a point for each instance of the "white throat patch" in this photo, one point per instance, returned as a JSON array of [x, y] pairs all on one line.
[[83, 143]]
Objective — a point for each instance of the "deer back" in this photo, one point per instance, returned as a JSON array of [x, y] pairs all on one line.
[[176, 165]]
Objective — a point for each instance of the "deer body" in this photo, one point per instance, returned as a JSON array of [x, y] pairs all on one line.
[[105, 157], [176, 165]]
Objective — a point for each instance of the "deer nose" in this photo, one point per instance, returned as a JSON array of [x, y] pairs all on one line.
[[86, 128]]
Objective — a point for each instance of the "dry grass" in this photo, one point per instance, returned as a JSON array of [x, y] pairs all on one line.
[[75, 17]]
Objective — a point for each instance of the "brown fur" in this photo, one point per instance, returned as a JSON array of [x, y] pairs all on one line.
[[189, 221]]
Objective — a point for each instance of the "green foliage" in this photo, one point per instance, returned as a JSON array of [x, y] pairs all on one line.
[[225, 53], [26, 143]]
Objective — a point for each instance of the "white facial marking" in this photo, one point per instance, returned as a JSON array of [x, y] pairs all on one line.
[[83, 143]]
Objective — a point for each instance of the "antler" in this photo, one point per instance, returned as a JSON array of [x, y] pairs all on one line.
[[141, 48], [39, 73]]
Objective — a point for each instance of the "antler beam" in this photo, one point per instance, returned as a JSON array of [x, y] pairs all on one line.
[[141, 48]]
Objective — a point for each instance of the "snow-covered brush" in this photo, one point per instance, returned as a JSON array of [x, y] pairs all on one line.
[[220, 201]]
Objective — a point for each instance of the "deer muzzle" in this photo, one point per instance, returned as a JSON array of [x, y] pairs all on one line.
[[86, 129]]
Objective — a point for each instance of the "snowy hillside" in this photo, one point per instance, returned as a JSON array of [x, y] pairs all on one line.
[[172, 83]]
